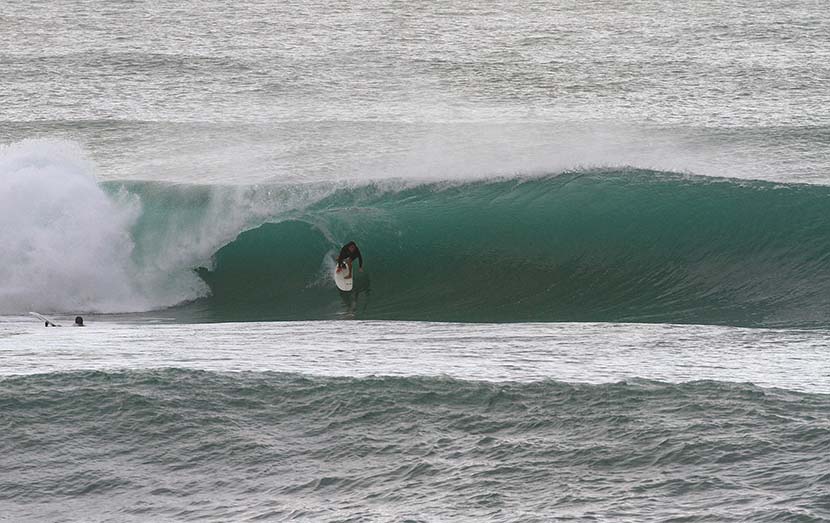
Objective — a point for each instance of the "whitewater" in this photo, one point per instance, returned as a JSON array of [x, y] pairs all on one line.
[[596, 244]]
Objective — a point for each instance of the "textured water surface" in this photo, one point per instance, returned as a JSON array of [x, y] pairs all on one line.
[[634, 192], [193, 445]]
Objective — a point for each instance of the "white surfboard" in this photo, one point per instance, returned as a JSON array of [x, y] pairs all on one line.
[[340, 279], [46, 321]]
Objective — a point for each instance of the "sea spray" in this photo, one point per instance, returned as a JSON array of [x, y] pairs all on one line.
[[66, 244], [72, 244]]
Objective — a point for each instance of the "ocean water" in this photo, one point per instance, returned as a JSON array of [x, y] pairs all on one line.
[[596, 242]]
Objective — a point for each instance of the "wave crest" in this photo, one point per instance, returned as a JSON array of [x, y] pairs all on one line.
[[598, 245]]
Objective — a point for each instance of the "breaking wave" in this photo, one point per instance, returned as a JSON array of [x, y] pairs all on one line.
[[592, 245]]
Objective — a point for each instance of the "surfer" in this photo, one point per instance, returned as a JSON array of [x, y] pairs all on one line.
[[79, 322], [347, 255]]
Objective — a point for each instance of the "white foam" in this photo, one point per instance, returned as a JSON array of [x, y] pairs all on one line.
[[65, 245]]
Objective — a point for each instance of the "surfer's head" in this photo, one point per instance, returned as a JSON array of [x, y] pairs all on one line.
[[352, 246], [79, 322]]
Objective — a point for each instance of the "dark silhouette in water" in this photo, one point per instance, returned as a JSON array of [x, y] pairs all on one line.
[[347, 255]]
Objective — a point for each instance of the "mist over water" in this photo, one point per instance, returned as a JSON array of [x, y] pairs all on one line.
[[312, 92]]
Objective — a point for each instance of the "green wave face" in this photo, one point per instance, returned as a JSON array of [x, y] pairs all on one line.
[[597, 246]]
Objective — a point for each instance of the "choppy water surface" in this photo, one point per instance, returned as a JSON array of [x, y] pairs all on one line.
[[332, 421]]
